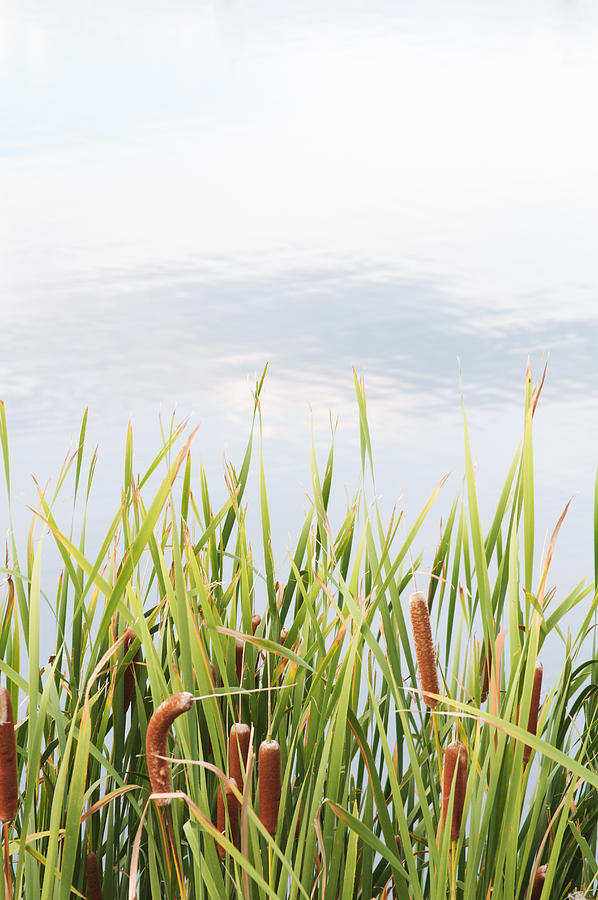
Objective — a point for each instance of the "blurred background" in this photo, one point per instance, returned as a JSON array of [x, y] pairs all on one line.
[[189, 191]]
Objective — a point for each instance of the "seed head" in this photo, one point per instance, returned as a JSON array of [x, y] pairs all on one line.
[[269, 783], [538, 882], [532, 722], [455, 770], [94, 884], [256, 621], [238, 751], [424, 648], [9, 786], [155, 742], [233, 813]]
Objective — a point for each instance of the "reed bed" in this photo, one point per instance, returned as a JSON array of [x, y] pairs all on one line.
[[392, 754]]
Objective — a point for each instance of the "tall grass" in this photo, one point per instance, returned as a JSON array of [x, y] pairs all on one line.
[[329, 674]]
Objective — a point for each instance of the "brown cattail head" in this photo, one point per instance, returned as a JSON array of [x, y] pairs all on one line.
[[94, 884], [455, 770], [9, 786], [232, 806], [424, 648], [155, 742], [486, 660], [256, 621], [214, 672], [532, 722], [129, 675], [284, 633], [238, 751], [538, 882], [239, 653], [269, 782]]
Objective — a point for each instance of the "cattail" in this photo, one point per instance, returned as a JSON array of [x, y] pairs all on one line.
[[214, 672], [269, 779], [485, 675], [232, 806], [532, 722], [94, 884], [424, 648], [155, 742], [9, 787], [256, 621], [129, 676], [455, 756], [239, 652], [284, 633], [238, 751], [538, 882]]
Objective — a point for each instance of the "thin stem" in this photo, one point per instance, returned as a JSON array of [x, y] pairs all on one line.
[[175, 854], [7, 878]]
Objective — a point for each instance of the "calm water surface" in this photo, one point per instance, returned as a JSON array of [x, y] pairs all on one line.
[[191, 190]]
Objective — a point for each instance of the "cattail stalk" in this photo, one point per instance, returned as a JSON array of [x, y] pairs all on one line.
[[424, 648], [94, 884], [455, 771], [238, 751], [232, 807], [532, 722], [155, 742], [269, 784], [538, 882], [9, 786]]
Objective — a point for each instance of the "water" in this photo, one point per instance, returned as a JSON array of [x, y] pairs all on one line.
[[192, 190]]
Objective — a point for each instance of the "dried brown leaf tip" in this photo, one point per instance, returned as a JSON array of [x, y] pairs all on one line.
[[238, 751], [532, 722], [538, 882], [424, 647], [269, 783], [455, 770], [94, 884], [155, 742], [9, 787], [232, 806]]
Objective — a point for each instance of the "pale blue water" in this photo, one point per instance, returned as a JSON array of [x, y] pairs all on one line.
[[189, 191]]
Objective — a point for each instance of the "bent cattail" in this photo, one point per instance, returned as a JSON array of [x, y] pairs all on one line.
[[538, 882], [9, 786], [233, 813], [455, 757], [238, 751], [129, 675], [424, 648], [269, 783], [155, 742], [532, 722], [94, 884]]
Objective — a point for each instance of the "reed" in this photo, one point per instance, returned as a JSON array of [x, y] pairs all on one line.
[[269, 784], [155, 743], [424, 648]]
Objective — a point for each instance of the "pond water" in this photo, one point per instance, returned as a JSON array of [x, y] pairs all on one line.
[[191, 190]]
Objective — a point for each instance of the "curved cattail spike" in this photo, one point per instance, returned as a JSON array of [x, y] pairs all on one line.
[[455, 757], [155, 742], [9, 785], [129, 675], [256, 621], [233, 813], [532, 722], [538, 882], [94, 884], [238, 751], [424, 648], [269, 783]]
